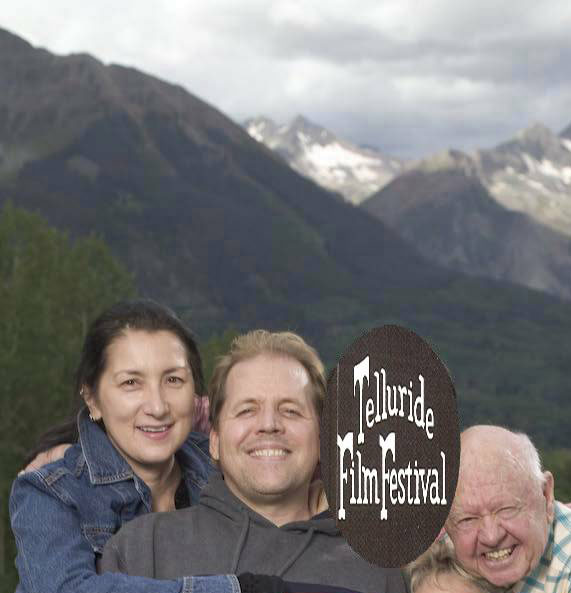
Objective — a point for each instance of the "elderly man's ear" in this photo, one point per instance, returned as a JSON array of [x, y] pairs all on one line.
[[548, 487]]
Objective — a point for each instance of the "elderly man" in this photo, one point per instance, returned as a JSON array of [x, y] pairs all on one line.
[[504, 522], [266, 398]]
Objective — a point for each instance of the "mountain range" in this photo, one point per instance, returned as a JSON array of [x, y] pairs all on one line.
[[217, 225], [207, 219], [504, 213]]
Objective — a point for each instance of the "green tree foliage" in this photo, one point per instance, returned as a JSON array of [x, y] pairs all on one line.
[[215, 347], [50, 289], [558, 462]]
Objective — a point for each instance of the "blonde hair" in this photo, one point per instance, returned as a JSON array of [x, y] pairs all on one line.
[[439, 560], [258, 342]]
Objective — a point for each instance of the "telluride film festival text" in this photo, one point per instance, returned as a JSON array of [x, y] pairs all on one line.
[[408, 485]]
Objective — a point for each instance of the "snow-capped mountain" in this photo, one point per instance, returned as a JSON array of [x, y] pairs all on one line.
[[531, 174], [335, 164], [503, 212]]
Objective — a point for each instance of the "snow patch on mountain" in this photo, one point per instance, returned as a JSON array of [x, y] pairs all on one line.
[[551, 170], [531, 174], [336, 155], [336, 164], [256, 133]]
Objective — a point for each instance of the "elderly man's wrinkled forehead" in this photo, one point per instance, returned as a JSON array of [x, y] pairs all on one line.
[[496, 452]]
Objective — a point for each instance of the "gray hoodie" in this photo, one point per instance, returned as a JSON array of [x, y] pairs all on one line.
[[221, 535]]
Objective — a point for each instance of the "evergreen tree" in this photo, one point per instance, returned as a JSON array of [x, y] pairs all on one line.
[[50, 290]]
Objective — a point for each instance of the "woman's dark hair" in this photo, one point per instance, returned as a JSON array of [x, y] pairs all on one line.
[[145, 315]]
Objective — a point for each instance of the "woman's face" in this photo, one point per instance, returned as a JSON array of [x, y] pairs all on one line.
[[145, 398]]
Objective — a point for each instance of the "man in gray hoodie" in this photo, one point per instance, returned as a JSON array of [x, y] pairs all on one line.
[[266, 398]]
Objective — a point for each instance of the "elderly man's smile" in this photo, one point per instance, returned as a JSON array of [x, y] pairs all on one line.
[[497, 556]]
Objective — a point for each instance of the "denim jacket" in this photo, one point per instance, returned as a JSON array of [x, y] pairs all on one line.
[[63, 514]]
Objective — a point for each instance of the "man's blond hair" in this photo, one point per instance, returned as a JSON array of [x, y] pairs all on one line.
[[258, 342]]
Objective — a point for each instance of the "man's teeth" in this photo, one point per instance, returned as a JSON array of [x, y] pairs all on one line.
[[499, 554], [153, 428], [269, 452]]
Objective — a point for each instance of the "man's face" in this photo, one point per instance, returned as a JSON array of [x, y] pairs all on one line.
[[267, 439], [500, 521]]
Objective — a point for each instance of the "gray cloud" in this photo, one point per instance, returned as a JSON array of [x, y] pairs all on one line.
[[411, 77]]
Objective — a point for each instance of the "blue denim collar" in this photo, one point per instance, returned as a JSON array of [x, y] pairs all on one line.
[[104, 463]]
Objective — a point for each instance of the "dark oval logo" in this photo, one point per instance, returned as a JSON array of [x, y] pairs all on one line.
[[390, 445]]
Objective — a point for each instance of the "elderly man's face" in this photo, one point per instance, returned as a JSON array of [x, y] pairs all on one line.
[[500, 521], [267, 441]]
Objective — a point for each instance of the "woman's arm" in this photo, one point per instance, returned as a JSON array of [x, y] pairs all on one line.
[[54, 557]]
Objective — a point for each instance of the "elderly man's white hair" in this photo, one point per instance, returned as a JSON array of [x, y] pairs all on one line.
[[531, 456], [523, 454]]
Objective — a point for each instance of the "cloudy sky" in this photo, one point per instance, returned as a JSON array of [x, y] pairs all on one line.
[[408, 76]]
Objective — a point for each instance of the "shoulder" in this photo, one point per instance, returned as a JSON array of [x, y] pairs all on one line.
[[151, 522], [562, 522], [59, 478], [64, 492], [360, 573], [146, 544], [144, 530], [562, 536]]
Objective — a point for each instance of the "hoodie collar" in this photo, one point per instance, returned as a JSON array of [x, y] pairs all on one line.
[[218, 496]]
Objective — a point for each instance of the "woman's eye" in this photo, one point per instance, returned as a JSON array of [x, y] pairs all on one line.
[[129, 383], [244, 411], [175, 380]]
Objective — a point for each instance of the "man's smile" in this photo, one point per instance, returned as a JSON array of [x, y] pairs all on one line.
[[269, 453], [497, 556]]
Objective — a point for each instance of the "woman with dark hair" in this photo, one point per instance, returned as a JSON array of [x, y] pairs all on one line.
[[139, 375]]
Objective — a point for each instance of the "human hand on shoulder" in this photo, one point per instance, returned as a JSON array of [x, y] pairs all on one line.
[[45, 457]]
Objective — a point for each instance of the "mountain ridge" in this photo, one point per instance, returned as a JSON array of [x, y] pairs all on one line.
[[148, 138]]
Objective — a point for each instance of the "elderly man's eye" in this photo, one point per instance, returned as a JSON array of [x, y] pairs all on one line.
[[508, 512], [466, 522], [291, 412]]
